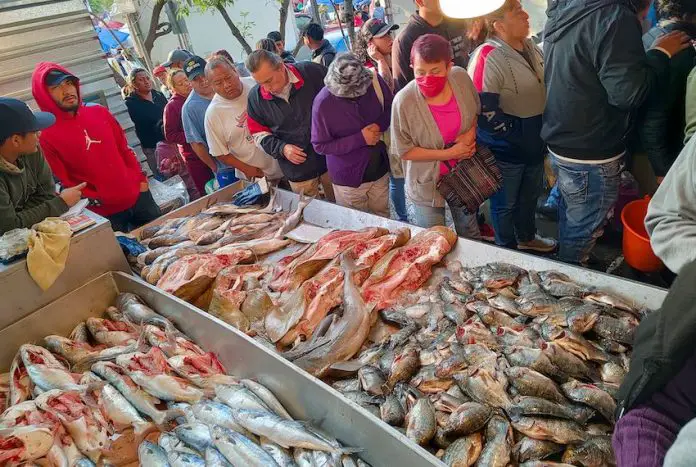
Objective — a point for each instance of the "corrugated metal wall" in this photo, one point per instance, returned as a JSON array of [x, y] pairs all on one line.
[[59, 31]]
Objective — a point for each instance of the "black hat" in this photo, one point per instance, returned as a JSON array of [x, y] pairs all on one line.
[[274, 36], [194, 66], [55, 77], [176, 55], [377, 28], [16, 117]]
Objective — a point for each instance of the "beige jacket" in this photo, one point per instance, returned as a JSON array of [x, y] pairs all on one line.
[[413, 125]]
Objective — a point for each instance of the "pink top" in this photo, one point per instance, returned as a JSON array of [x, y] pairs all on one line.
[[449, 121]]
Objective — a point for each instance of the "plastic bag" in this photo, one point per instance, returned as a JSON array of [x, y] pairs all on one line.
[[14, 244], [170, 194]]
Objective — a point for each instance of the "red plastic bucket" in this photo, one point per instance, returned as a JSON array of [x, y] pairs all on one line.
[[636, 244]]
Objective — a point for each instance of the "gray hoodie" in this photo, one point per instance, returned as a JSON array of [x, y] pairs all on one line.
[[671, 219]]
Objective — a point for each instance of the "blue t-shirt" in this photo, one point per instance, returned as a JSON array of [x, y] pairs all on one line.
[[193, 117], [379, 13]]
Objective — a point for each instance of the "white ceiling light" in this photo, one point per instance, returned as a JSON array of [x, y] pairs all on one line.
[[469, 8]]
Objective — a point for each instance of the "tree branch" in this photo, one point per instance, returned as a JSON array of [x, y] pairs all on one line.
[[284, 4], [155, 25], [235, 30]]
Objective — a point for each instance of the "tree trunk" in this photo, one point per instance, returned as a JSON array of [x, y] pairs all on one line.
[[283, 17], [350, 22], [154, 31], [235, 30], [315, 14]]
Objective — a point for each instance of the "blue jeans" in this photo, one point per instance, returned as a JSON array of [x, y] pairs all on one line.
[[588, 195], [513, 207], [398, 197], [465, 225]]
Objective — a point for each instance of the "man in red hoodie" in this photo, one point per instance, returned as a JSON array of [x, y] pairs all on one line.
[[87, 144]]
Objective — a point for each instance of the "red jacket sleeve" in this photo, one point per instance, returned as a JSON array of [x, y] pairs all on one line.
[[128, 155], [57, 167], [173, 126]]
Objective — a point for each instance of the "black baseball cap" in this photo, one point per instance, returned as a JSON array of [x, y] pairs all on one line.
[[194, 66], [55, 77], [378, 28], [274, 36], [176, 55], [16, 117]]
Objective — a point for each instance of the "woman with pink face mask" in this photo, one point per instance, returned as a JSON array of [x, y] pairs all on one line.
[[434, 121]]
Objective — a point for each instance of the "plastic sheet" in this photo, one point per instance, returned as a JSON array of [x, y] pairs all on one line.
[[170, 194]]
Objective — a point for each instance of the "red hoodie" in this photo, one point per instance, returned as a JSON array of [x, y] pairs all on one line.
[[89, 146]]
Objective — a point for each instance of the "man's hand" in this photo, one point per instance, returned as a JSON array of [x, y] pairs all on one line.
[[294, 154], [73, 194], [673, 42], [371, 134], [252, 172], [465, 145], [144, 186], [374, 54]]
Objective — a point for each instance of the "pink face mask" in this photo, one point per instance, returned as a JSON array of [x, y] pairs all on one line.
[[430, 86]]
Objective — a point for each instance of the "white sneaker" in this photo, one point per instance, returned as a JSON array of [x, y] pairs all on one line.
[[540, 244]]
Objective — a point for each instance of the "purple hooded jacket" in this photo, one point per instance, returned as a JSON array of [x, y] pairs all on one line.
[[337, 125]]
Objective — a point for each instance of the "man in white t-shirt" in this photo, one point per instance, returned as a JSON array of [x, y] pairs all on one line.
[[226, 128]]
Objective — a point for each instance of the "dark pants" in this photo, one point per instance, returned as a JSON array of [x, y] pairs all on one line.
[[143, 211], [513, 207], [200, 173]]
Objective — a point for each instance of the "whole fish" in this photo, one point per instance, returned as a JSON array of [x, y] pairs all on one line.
[[566, 361], [428, 382], [595, 452], [420, 422], [512, 337], [468, 418], [195, 435], [240, 397], [560, 286], [118, 411], [363, 399], [578, 345], [152, 372], [80, 333], [537, 304], [450, 294], [592, 396], [484, 387], [531, 358], [506, 304], [544, 464], [214, 413], [618, 330], [185, 459], [604, 298], [492, 316], [303, 458], [141, 400], [464, 452], [170, 443], [528, 449], [391, 411], [371, 380], [448, 403], [347, 385], [82, 355], [532, 383], [475, 332], [478, 355], [151, 454], [137, 312], [451, 365], [214, 458], [294, 219], [263, 393], [404, 366], [23, 444], [538, 407], [613, 373], [498, 449], [582, 318], [282, 456], [556, 430], [285, 433], [169, 344]]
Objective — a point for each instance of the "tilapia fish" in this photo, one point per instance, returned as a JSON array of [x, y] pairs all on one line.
[[464, 451], [556, 430]]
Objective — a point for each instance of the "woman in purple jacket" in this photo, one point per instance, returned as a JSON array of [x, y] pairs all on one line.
[[349, 117]]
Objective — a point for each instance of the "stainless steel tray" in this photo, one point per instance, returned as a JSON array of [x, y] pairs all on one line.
[[304, 396]]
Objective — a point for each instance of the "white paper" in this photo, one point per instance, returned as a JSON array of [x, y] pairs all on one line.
[[307, 233], [76, 209]]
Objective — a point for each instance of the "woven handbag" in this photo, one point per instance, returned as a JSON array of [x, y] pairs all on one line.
[[471, 181]]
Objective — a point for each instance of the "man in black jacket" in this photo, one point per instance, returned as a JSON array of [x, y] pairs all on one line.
[[596, 74], [280, 118], [664, 121], [322, 50]]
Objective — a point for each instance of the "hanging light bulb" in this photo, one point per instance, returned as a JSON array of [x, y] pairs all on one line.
[[469, 8]]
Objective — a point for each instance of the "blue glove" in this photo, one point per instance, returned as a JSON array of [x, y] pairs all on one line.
[[130, 246], [252, 194]]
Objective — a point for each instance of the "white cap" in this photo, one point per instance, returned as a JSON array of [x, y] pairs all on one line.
[[469, 8]]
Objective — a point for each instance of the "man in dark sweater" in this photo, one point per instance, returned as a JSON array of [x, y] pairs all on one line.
[[663, 123], [280, 118], [27, 190], [428, 20], [596, 74], [323, 52]]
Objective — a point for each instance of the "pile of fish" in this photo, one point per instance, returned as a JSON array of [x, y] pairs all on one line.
[[496, 365], [130, 386]]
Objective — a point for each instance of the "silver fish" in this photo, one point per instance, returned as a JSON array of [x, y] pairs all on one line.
[[152, 455], [196, 435], [216, 413], [240, 450], [119, 411], [45, 371], [185, 459], [170, 443], [263, 393], [295, 218], [214, 458], [240, 397], [282, 456], [137, 312]]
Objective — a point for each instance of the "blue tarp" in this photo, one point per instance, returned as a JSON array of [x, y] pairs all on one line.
[[107, 39]]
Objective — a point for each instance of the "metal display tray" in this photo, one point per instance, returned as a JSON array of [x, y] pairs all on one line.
[[468, 252], [304, 396]]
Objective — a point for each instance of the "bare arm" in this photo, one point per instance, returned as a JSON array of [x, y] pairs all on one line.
[[202, 152], [249, 170], [419, 154]]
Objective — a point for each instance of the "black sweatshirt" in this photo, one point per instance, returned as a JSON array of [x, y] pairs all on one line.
[[147, 117], [597, 75]]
